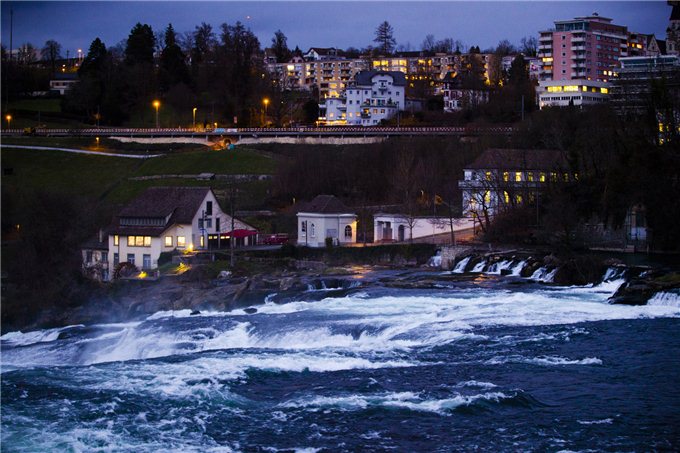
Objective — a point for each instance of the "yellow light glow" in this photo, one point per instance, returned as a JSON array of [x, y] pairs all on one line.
[[265, 101], [571, 88], [157, 104], [604, 90], [142, 275]]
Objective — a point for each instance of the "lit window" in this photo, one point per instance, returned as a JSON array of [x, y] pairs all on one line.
[[506, 176], [168, 241], [488, 176], [139, 241], [530, 176], [507, 197], [518, 199], [518, 176], [181, 241], [116, 239], [348, 232], [202, 241]]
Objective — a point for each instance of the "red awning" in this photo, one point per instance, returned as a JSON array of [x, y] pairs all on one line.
[[241, 233]]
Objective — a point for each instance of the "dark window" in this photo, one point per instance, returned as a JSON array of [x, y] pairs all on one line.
[[208, 208], [105, 257], [217, 224], [88, 256], [146, 261], [131, 258], [116, 260]]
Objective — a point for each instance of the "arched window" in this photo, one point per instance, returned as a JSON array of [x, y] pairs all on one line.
[[313, 230], [348, 232]]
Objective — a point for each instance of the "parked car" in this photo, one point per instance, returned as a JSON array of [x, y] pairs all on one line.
[[275, 239]]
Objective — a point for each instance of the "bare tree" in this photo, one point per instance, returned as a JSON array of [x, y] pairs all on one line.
[[51, 51]]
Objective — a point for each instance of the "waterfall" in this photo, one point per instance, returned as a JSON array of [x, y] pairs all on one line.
[[543, 274], [668, 299], [613, 273], [517, 269], [479, 267], [461, 265], [499, 267]]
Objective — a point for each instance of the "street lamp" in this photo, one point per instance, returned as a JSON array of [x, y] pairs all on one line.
[[157, 104], [9, 119], [265, 101], [194, 113]]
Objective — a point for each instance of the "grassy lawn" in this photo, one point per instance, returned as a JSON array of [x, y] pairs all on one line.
[[231, 162], [52, 105], [105, 144], [107, 178]]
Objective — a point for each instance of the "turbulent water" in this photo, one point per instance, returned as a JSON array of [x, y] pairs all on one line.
[[489, 364]]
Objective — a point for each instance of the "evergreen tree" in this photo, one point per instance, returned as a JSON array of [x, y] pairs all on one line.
[[173, 68], [140, 45], [280, 47], [384, 36]]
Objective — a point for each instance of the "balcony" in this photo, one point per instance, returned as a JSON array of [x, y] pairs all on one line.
[[545, 38], [578, 39], [578, 48], [578, 65]]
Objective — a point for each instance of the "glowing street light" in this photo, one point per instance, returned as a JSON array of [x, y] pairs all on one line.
[[194, 113], [265, 101], [157, 104], [9, 119]]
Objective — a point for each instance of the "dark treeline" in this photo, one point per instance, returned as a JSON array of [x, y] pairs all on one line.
[[220, 73]]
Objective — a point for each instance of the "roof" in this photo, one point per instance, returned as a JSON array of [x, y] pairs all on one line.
[[675, 13], [366, 77], [325, 204], [95, 244], [524, 159], [180, 202]]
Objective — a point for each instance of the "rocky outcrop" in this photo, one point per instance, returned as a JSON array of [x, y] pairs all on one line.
[[638, 290]]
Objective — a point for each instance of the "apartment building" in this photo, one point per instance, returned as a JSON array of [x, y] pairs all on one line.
[[582, 48]]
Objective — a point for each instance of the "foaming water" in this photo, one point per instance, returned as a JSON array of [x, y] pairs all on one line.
[[384, 369]]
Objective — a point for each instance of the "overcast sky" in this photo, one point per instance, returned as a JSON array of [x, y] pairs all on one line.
[[322, 23]]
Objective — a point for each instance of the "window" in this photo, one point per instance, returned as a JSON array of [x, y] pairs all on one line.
[[506, 176], [139, 241], [208, 208], [217, 224], [146, 261], [487, 176], [168, 241], [530, 176], [348, 232], [202, 241], [105, 257], [303, 226], [518, 176], [313, 231], [88, 256], [116, 259], [131, 258], [116, 239], [181, 241]]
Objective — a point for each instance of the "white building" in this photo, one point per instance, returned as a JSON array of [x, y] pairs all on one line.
[[163, 219], [326, 217], [400, 228], [371, 97], [562, 93]]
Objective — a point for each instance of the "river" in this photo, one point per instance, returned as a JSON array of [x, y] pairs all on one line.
[[489, 364]]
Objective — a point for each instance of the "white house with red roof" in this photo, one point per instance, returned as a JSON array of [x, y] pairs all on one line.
[[163, 219]]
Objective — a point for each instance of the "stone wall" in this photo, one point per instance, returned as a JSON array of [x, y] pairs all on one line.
[[451, 252]]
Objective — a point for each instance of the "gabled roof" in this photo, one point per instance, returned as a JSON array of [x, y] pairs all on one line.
[[675, 13], [180, 202], [364, 78], [519, 159], [325, 204]]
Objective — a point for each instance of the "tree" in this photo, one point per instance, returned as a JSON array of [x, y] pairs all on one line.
[[173, 68], [528, 46], [280, 47], [26, 54], [140, 45], [51, 51], [93, 62], [384, 36], [428, 43]]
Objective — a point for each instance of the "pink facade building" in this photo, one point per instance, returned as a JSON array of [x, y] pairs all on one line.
[[582, 48]]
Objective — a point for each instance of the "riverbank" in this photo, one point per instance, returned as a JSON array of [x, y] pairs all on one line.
[[314, 274]]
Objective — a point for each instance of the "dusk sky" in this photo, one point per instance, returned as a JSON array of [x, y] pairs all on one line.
[[323, 23]]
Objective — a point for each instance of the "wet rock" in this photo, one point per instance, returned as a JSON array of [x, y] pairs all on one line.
[[250, 310]]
